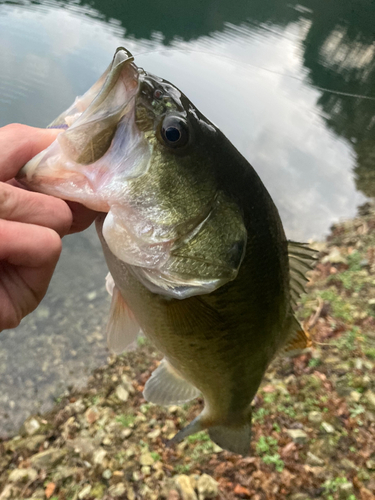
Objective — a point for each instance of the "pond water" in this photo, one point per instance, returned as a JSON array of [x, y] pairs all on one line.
[[291, 85]]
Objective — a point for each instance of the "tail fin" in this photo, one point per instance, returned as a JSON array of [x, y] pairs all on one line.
[[232, 438]]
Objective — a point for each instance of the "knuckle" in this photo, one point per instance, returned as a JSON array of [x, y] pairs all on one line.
[[14, 128], [10, 321]]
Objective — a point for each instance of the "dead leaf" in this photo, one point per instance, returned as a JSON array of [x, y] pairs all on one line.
[[288, 448], [241, 491], [269, 388], [366, 494], [50, 488]]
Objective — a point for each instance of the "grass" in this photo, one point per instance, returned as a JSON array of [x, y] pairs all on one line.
[[266, 448], [332, 486], [125, 420]]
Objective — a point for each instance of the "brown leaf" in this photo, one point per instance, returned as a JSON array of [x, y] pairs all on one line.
[[288, 449], [241, 491], [366, 494], [269, 388], [50, 488]]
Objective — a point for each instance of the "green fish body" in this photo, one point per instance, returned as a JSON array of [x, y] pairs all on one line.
[[193, 241]]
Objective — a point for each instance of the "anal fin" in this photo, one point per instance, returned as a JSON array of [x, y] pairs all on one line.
[[167, 387], [122, 327]]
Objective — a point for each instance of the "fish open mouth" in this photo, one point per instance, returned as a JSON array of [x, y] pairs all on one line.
[[161, 223], [100, 145]]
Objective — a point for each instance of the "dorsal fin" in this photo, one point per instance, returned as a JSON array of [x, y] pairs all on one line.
[[301, 260]]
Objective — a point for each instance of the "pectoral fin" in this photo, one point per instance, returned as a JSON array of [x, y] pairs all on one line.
[[167, 387], [122, 328]]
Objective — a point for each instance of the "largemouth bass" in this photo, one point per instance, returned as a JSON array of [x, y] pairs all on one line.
[[193, 241]]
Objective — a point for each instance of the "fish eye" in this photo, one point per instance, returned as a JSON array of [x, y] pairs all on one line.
[[175, 131], [158, 94]]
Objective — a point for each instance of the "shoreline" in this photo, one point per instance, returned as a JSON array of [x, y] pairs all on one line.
[[313, 417]]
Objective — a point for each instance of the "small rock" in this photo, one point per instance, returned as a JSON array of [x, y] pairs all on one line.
[[173, 409], [334, 257], [122, 393], [184, 487], [31, 426], [129, 453], [34, 442], [146, 459], [298, 436], [130, 493], [117, 476], [300, 496], [328, 428], [78, 406], [207, 487], [85, 491], [82, 445], [21, 475], [62, 472], [136, 476], [126, 433], [108, 440], [146, 470], [313, 459], [348, 464], [8, 492], [107, 474], [92, 415], [48, 458], [117, 490], [370, 399], [355, 396], [127, 383], [315, 417], [154, 434], [98, 456], [358, 363]]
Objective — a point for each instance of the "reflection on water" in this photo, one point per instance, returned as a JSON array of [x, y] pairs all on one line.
[[257, 69]]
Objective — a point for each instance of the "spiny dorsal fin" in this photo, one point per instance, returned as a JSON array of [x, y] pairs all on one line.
[[298, 340], [301, 260], [167, 387]]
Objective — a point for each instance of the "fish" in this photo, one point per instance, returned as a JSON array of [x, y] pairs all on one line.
[[197, 254]]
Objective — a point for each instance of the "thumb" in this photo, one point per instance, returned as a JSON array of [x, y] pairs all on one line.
[[18, 144]]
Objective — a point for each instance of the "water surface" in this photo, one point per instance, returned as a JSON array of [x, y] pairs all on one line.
[[278, 79]]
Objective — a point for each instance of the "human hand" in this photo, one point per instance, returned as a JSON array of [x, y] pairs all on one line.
[[31, 226]]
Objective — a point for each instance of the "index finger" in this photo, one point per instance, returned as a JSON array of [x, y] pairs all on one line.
[[18, 144]]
